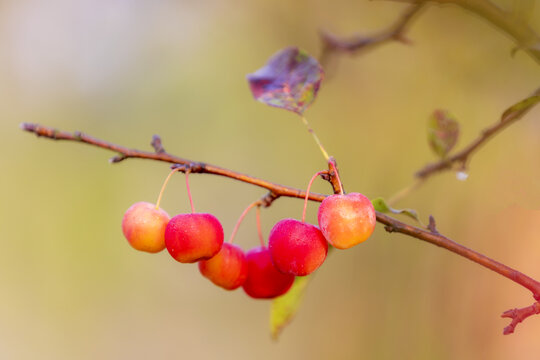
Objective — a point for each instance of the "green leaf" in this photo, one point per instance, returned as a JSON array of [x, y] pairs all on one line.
[[381, 206], [443, 132], [519, 109], [285, 307]]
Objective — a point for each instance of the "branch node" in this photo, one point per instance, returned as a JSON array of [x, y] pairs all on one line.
[[157, 145], [268, 199], [192, 167], [77, 135], [118, 158]]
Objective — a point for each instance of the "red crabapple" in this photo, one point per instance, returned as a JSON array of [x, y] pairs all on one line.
[[296, 247], [193, 237], [227, 269], [264, 281]]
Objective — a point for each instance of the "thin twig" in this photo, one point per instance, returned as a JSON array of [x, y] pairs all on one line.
[[460, 159], [277, 190], [518, 315], [395, 32], [523, 35]]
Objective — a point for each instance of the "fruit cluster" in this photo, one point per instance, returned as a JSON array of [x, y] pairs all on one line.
[[295, 248]]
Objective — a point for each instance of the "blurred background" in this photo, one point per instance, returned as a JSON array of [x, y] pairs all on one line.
[[124, 70]]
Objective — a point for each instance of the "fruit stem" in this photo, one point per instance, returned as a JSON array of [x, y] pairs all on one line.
[[336, 174], [241, 218], [307, 192], [259, 228], [189, 192], [165, 185], [310, 130]]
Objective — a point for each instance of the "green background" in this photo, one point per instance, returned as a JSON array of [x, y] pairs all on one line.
[[125, 70]]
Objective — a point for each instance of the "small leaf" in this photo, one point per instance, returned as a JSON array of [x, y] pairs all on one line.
[[285, 307], [380, 205], [443, 132], [519, 109], [290, 80]]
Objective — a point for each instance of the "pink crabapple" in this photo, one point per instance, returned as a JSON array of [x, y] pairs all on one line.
[[193, 237], [346, 220], [144, 226], [296, 247]]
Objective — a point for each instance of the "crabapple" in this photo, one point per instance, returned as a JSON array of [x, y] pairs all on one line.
[[193, 237], [264, 280], [346, 220], [296, 247], [144, 226], [227, 269]]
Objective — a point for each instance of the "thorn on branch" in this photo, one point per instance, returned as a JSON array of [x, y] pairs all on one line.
[[156, 144], [518, 315]]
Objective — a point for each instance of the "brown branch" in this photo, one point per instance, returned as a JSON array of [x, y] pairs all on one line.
[[277, 190], [395, 32], [460, 159]]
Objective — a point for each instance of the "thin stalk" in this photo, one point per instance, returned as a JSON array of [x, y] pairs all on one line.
[[241, 218], [307, 192], [310, 130], [164, 186]]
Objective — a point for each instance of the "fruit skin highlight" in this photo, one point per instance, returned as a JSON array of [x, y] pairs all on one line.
[[296, 247], [227, 269], [346, 220], [144, 227], [264, 280], [193, 237]]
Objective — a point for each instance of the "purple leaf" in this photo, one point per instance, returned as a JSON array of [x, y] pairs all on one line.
[[290, 80]]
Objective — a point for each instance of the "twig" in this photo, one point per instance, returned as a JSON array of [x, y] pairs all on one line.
[[277, 190], [460, 159], [395, 32], [518, 315], [522, 34]]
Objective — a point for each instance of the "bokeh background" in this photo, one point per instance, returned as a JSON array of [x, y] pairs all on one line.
[[123, 70]]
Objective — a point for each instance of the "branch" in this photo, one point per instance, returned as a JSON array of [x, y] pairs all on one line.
[[276, 190], [461, 158], [522, 34], [395, 32]]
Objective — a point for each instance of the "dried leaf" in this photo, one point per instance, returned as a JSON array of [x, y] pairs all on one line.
[[285, 307], [443, 132], [290, 80], [381, 206]]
